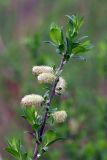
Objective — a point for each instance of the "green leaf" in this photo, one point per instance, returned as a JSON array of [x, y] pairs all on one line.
[[49, 42], [36, 126], [12, 152], [69, 50], [70, 46], [80, 22], [29, 113], [82, 47], [74, 45], [14, 143], [74, 25], [82, 38], [51, 137], [56, 34], [14, 147]]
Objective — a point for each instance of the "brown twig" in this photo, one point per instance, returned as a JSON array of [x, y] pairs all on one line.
[[48, 104]]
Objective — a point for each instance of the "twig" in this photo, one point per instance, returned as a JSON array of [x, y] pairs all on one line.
[[48, 104]]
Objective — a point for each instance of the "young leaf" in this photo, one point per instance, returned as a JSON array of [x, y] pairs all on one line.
[[56, 34], [14, 143], [82, 47], [29, 114], [14, 147], [70, 46], [51, 137], [13, 152], [51, 43], [82, 38], [74, 26]]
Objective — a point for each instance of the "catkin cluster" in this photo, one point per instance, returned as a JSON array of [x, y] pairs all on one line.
[[46, 75]]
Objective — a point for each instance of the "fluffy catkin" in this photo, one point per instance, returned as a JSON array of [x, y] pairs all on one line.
[[61, 86], [32, 99], [36, 70], [59, 116], [46, 78]]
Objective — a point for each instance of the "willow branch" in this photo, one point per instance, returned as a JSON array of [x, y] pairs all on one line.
[[48, 104]]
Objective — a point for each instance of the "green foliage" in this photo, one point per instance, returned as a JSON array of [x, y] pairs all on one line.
[[69, 44], [82, 47], [74, 25], [48, 139], [51, 137], [30, 114], [16, 149], [56, 34]]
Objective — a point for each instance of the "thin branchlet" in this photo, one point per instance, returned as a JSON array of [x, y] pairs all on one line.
[[48, 104]]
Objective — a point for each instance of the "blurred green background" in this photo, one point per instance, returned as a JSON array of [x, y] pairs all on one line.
[[85, 99]]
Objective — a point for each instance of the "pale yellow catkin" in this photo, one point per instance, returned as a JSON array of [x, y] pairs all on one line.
[[59, 116], [48, 78], [36, 70], [32, 99]]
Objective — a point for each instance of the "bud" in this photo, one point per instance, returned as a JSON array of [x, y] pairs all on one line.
[[32, 99], [73, 126], [46, 78], [61, 86], [36, 70], [59, 116]]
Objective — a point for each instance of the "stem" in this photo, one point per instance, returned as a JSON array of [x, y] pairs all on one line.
[[48, 104], [36, 151]]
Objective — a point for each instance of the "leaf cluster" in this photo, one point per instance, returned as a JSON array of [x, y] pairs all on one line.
[[67, 42], [17, 150]]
